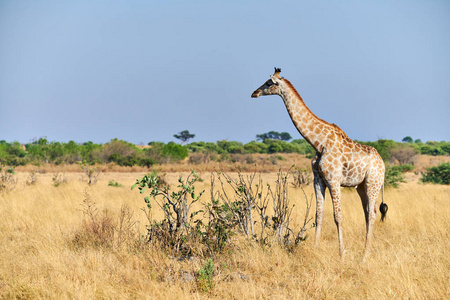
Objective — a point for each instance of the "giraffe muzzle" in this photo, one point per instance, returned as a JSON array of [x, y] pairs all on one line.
[[256, 94]]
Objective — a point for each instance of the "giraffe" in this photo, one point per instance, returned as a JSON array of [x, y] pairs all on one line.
[[339, 161]]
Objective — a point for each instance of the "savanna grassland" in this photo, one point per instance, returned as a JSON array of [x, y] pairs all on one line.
[[45, 250]]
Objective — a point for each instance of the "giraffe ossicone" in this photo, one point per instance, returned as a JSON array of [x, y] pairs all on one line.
[[339, 161]]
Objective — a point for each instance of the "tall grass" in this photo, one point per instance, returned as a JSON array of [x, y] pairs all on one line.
[[38, 259]]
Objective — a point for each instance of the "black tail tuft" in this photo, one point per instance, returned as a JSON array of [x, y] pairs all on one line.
[[383, 210]]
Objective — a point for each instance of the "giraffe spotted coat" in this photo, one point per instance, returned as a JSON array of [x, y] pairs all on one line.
[[339, 161]]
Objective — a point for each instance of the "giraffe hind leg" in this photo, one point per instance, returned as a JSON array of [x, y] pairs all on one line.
[[372, 191], [361, 189], [319, 188]]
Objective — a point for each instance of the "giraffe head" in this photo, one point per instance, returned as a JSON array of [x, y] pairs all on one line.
[[271, 86]]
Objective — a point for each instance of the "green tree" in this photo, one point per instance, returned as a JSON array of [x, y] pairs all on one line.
[[274, 135], [184, 136], [407, 139]]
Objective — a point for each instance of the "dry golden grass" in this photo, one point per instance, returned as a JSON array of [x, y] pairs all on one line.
[[39, 258]]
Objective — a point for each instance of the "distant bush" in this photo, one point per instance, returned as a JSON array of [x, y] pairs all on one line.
[[203, 147], [120, 152], [274, 147], [394, 176], [12, 154], [405, 168], [383, 147], [304, 148], [255, 147], [446, 148], [277, 146], [432, 149], [439, 174], [174, 152], [230, 147]]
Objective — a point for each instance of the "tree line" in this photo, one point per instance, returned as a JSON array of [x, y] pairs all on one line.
[[124, 153]]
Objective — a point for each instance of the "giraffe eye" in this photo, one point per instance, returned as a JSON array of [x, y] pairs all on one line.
[[269, 82]]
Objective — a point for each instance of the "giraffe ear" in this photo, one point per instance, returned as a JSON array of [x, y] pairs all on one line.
[[274, 79]]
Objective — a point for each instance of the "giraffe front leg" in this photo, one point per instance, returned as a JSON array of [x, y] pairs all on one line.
[[319, 188], [335, 191]]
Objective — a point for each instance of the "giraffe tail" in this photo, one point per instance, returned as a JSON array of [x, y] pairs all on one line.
[[383, 206]]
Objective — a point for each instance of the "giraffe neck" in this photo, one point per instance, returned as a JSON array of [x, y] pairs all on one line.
[[307, 123]]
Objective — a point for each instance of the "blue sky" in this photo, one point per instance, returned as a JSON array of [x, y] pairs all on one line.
[[145, 70]]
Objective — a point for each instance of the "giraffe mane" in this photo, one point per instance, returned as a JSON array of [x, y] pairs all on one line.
[[338, 130]]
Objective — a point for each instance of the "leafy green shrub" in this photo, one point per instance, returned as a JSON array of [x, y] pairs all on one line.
[[174, 151], [405, 168], [176, 232], [114, 183], [255, 147], [446, 148], [393, 176], [203, 147], [433, 150], [230, 147], [12, 154], [304, 148], [121, 153], [383, 147], [275, 148], [439, 174], [205, 276]]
